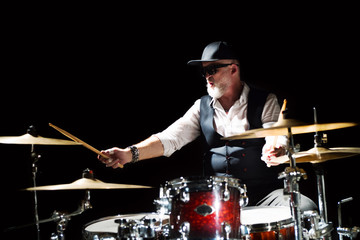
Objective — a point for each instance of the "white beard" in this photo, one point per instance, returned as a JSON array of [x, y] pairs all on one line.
[[215, 91]]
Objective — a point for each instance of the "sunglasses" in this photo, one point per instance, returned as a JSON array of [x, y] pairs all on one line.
[[212, 69]]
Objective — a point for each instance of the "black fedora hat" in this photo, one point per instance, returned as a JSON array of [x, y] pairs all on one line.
[[215, 51]]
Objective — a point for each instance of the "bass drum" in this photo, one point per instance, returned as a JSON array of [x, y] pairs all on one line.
[[130, 226], [267, 223]]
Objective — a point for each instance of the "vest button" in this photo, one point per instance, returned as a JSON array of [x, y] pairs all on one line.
[[245, 169], [227, 157], [243, 154]]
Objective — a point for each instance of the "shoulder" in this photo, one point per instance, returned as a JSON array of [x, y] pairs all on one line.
[[264, 94], [257, 90]]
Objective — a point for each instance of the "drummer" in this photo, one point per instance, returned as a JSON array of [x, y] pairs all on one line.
[[231, 107]]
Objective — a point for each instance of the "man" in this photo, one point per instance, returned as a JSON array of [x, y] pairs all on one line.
[[232, 107]]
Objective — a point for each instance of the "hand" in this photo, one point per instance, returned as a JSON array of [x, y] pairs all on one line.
[[269, 153], [116, 156]]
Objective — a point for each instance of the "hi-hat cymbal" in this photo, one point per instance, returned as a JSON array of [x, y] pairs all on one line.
[[85, 184], [320, 154], [281, 128], [30, 139]]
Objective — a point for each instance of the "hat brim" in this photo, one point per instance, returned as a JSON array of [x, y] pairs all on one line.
[[199, 62]]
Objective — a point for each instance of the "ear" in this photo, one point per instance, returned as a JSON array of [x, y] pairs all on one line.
[[234, 68]]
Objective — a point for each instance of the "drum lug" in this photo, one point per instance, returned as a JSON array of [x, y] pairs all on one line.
[[279, 236], [244, 200], [245, 233], [184, 230], [147, 230], [185, 196], [163, 205], [226, 229], [226, 193], [127, 228]]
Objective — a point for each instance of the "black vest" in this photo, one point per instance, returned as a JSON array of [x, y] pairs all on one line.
[[236, 158]]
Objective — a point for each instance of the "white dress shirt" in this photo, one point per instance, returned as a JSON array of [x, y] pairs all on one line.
[[187, 128]]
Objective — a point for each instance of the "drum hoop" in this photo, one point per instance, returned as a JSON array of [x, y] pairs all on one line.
[[271, 226], [203, 183], [101, 220], [121, 216]]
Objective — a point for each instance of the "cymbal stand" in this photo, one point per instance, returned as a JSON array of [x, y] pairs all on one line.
[[345, 231], [292, 176], [35, 158], [63, 219], [320, 179], [325, 226]]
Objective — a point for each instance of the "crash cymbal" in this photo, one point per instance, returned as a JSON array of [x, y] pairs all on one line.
[[281, 128], [320, 154], [30, 139], [84, 184]]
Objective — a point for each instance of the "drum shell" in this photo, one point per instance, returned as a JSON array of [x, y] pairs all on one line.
[[205, 208], [283, 234]]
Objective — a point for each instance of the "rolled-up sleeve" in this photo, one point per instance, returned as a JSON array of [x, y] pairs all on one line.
[[183, 131], [269, 117]]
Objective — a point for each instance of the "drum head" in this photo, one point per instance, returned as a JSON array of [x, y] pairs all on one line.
[[108, 226], [266, 218]]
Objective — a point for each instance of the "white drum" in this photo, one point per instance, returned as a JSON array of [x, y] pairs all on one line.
[[270, 223], [142, 225]]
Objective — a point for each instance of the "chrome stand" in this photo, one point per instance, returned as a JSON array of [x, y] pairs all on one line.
[[292, 176], [344, 231], [34, 158], [320, 182], [63, 219], [319, 139], [324, 227]]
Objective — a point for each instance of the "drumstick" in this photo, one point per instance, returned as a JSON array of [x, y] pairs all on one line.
[[75, 139]]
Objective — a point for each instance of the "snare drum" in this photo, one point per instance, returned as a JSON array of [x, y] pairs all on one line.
[[267, 223], [131, 226], [203, 207]]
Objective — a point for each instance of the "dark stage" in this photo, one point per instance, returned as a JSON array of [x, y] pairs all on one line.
[[111, 85]]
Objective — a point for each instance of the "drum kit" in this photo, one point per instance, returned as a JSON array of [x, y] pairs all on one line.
[[211, 207]]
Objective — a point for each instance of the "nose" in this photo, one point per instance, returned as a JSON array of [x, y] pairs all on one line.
[[210, 80], [208, 76]]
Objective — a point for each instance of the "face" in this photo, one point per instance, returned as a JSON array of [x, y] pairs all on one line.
[[217, 75]]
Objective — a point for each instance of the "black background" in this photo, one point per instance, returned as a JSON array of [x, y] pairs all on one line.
[[112, 75]]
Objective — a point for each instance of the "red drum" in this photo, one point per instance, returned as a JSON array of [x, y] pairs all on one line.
[[267, 223], [204, 207]]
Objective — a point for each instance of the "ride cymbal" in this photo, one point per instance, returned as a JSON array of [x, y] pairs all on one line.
[[85, 184], [320, 154], [281, 128], [29, 139]]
